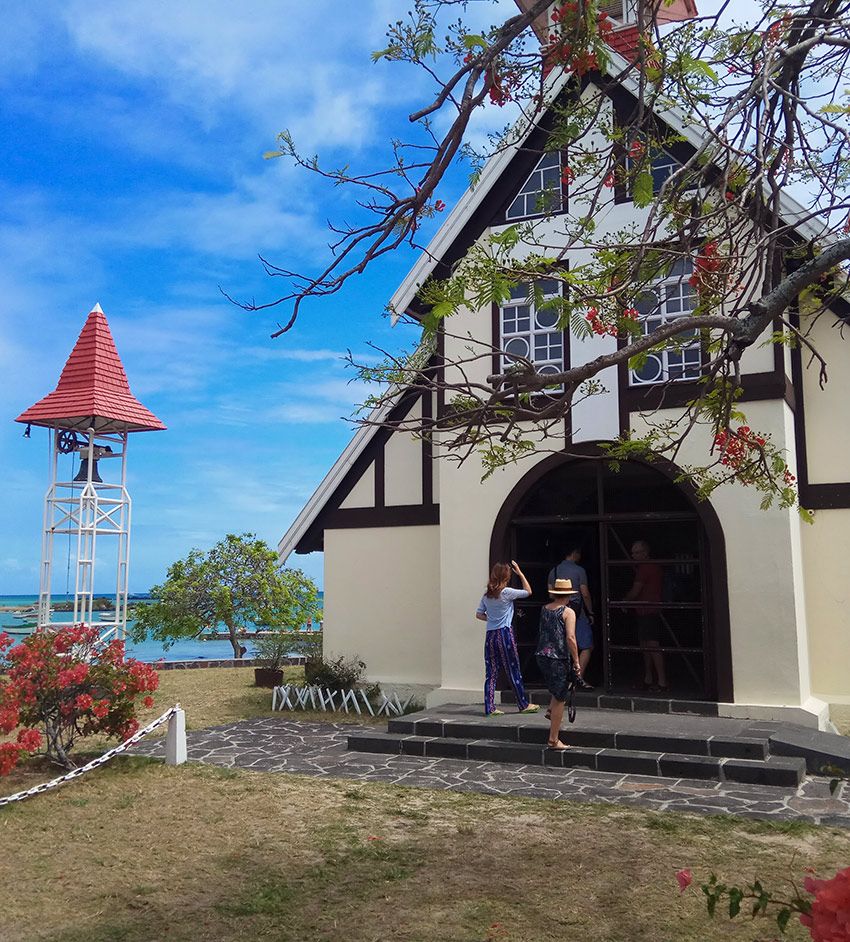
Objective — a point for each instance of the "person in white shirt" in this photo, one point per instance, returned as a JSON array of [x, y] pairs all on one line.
[[497, 609]]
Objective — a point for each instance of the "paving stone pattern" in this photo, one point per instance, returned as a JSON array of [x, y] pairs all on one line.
[[281, 744]]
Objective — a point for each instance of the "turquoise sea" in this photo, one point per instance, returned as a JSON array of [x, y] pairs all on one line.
[[147, 650]]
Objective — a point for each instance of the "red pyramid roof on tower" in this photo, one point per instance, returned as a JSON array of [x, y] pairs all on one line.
[[93, 391]]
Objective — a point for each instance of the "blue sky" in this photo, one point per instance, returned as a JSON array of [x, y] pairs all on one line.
[[131, 174]]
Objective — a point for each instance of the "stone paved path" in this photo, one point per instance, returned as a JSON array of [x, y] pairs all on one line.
[[279, 744]]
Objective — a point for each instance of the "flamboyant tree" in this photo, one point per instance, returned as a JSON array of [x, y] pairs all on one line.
[[754, 212]]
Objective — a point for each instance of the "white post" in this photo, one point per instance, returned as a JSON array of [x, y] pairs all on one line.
[[175, 740]]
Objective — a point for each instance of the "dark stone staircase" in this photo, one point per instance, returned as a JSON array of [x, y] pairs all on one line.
[[674, 743]]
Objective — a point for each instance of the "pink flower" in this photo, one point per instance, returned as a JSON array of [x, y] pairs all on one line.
[[829, 920], [684, 878]]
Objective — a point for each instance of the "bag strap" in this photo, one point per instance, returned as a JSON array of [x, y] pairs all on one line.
[[571, 705]]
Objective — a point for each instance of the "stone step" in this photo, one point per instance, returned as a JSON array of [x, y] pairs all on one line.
[[778, 771], [591, 699], [536, 733]]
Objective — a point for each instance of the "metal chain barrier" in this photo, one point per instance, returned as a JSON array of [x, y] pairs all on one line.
[[101, 760]]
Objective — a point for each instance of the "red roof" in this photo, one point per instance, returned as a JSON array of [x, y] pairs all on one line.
[[93, 391]]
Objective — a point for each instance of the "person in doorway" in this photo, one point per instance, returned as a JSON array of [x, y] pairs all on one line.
[[557, 654], [497, 609], [647, 588], [581, 603]]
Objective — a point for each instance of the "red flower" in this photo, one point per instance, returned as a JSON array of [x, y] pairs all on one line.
[[631, 313], [84, 702], [829, 919], [567, 176], [610, 180], [29, 739], [439, 206], [148, 702], [100, 709], [684, 878]]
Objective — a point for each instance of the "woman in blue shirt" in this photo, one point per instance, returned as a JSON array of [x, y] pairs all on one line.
[[497, 609]]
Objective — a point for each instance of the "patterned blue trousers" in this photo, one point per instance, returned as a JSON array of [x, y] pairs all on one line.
[[500, 651]]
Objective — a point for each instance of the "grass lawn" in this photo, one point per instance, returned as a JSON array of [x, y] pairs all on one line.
[[137, 851], [141, 852]]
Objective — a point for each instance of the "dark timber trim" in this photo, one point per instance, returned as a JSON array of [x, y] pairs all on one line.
[[333, 516], [403, 515], [427, 452]]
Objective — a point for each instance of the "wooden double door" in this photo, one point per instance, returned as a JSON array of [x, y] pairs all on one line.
[[608, 514]]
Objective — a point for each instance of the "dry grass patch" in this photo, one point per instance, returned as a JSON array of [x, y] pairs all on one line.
[[218, 695], [210, 697], [141, 851]]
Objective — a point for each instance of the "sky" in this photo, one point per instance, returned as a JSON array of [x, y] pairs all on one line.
[[132, 174]]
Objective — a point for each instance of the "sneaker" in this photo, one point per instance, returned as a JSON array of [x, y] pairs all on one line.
[[496, 713], [531, 708]]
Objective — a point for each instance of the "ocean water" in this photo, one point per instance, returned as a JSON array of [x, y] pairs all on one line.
[[147, 650]]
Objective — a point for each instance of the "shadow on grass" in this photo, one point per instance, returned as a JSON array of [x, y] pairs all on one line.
[[261, 898]]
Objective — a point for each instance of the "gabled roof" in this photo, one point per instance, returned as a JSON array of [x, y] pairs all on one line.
[[93, 391], [454, 228]]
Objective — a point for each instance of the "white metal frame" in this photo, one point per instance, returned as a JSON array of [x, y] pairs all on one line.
[[674, 298], [88, 510]]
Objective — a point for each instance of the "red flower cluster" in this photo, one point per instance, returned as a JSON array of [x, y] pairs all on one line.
[[603, 328], [710, 270], [610, 180], [829, 919], [737, 446], [573, 47], [501, 86], [597, 325], [567, 176], [439, 206], [69, 684]]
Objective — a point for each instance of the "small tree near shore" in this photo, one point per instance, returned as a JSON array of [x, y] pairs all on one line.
[[236, 583]]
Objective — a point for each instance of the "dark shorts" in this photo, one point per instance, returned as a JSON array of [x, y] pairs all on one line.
[[556, 676], [648, 628], [584, 634]]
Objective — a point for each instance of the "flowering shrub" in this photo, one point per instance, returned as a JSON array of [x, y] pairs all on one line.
[[826, 914], [61, 685]]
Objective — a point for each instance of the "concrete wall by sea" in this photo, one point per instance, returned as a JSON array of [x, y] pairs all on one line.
[[382, 601]]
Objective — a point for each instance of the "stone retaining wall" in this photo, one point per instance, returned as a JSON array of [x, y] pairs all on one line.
[[221, 662]]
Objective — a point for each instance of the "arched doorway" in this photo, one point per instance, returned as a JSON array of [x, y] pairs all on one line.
[[579, 498]]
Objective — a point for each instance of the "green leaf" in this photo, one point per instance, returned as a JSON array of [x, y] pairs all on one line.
[[735, 897], [698, 67], [642, 194], [782, 918], [472, 41], [835, 109]]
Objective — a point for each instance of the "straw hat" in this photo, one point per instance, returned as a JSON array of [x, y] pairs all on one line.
[[563, 587]]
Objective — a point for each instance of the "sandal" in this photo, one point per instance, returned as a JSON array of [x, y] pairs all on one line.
[[496, 713], [557, 746], [531, 708]]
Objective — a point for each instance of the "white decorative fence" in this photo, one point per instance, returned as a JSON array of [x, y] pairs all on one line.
[[313, 697], [175, 753]]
